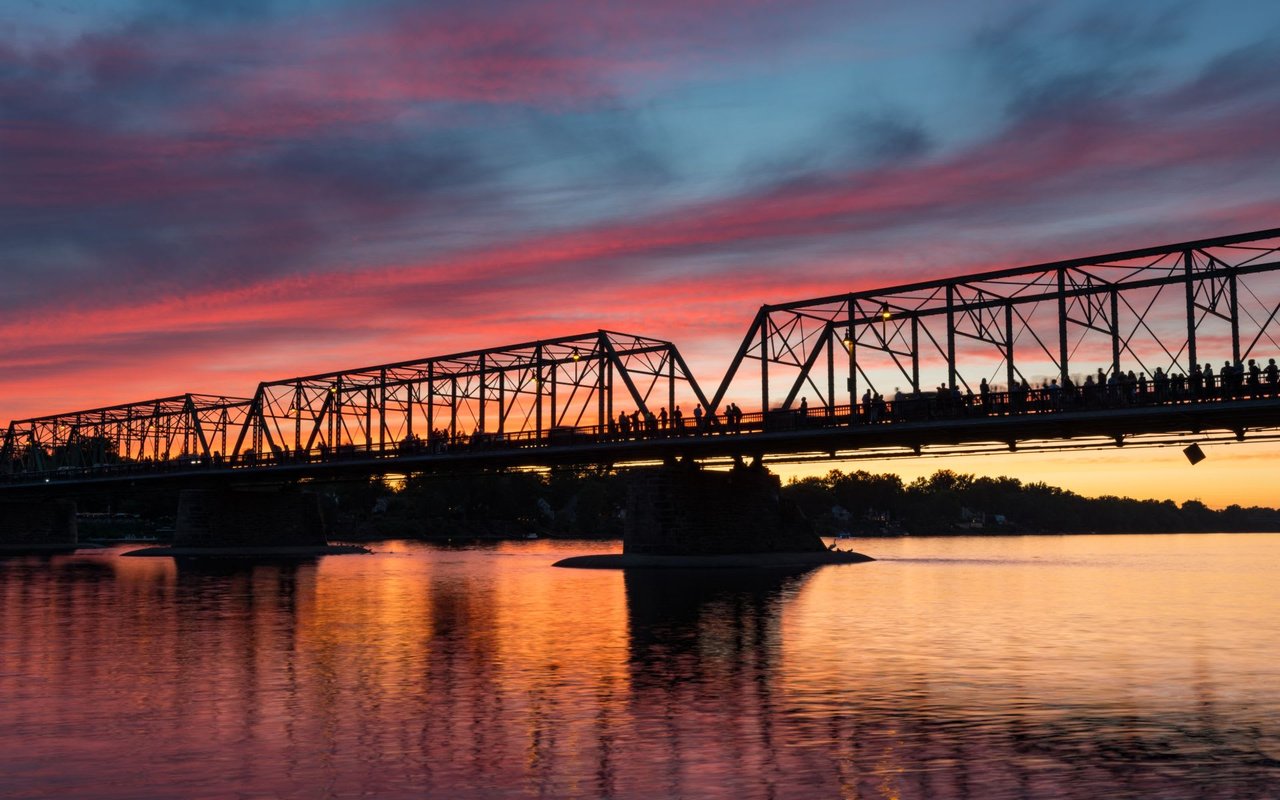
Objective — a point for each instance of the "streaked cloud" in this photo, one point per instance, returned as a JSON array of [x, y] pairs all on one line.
[[202, 196]]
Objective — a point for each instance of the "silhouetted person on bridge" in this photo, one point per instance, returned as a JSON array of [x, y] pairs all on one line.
[[1273, 375], [662, 417], [697, 418], [1208, 380]]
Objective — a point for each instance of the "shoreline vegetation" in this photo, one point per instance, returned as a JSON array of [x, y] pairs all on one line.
[[588, 504]]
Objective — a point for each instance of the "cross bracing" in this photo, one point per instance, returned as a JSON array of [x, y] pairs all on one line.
[[521, 391], [187, 426], [1165, 308], [1113, 349]]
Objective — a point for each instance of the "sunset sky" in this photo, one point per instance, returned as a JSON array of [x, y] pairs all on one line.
[[197, 196]]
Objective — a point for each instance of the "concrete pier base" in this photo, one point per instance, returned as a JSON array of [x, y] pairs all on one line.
[[681, 509], [38, 526], [682, 517], [228, 523], [228, 518]]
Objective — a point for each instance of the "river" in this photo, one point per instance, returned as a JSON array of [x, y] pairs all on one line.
[[952, 667]]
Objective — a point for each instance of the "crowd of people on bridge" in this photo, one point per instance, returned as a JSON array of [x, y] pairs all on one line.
[[1102, 390]]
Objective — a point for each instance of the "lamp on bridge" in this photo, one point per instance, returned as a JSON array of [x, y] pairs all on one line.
[[576, 355], [885, 313]]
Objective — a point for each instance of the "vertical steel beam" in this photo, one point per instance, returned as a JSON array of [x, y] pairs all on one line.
[[555, 390], [602, 388], [1008, 346], [764, 363], [409, 390], [1115, 332], [382, 409], [337, 412], [483, 384], [671, 378], [1063, 369], [431, 395], [537, 385], [1235, 318], [951, 336], [297, 416], [1188, 262], [852, 347], [368, 419], [502, 402], [915, 353], [453, 406], [831, 370]]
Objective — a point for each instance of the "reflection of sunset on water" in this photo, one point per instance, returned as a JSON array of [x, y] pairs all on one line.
[[964, 667]]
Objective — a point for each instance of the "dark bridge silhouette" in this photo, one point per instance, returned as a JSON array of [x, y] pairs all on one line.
[[1145, 347]]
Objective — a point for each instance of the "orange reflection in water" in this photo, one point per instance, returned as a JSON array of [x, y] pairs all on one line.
[[1034, 666]]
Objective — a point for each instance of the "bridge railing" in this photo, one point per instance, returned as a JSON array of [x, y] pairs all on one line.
[[906, 410]]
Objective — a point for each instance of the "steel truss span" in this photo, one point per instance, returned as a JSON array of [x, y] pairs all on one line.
[[1115, 349], [1160, 308], [532, 394], [185, 428]]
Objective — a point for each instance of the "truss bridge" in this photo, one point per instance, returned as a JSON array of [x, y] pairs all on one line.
[[1153, 347]]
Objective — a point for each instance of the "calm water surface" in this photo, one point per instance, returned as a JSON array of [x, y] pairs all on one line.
[[1037, 667]]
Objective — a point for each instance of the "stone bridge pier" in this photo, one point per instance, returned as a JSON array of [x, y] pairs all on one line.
[[229, 518], [681, 509]]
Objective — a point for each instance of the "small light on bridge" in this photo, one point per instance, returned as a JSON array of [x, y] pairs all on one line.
[[576, 355], [848, 338], [885, 313]]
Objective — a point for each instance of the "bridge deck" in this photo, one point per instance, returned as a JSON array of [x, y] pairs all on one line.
[[912, 425]]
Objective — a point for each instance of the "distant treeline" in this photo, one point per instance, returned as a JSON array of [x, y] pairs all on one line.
[[949, 502], [590, 503]]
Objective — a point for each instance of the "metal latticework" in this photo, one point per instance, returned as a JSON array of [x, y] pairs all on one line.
[[187, 426], [508, 396], [1162, 309], [1117, 348]]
